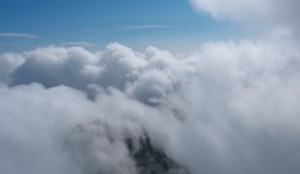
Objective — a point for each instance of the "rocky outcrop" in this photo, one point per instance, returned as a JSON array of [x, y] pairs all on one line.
[[150, 160]]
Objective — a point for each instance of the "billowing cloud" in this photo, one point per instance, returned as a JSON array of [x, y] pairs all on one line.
[[231, 108]]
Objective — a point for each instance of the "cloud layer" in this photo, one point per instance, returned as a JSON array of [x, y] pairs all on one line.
[[231, 108]]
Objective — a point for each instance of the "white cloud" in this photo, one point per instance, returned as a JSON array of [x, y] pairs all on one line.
[[8, 62], [238, 10], [232, 108], [267, 13], [18, 35]]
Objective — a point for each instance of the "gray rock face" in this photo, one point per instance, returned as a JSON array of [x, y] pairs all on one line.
[[150, 160]]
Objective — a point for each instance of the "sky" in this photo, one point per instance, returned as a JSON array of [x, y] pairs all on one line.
[[212, 84], [170, 24]]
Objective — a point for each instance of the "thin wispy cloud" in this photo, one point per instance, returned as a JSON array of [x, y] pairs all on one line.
[[90, 30], [93, 30], [81, 44], [144, 27], [8, 43], [19, 35]]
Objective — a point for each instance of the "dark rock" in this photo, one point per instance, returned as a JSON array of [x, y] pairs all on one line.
[[151, 160]]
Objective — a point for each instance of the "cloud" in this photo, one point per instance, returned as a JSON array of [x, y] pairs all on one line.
[[20, 35], [266, 13], [231, 108], [90, 30], [144, 27], [8, 43], [238, 10], [8, 62], [80, 44]]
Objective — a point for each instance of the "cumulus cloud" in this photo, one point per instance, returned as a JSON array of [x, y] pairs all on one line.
[[231, 108], [52, 66]]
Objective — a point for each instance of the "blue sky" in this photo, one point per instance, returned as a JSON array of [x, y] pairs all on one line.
[[168, 24]]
